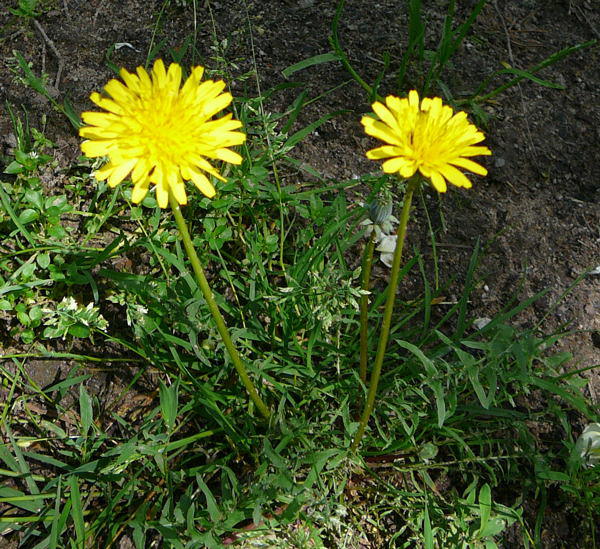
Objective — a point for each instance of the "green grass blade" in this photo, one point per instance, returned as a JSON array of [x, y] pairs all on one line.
[[416, 41], [169, 400], [86, 411], [427, 530], [14, 217], [554, 58], [31, 79], [295, 138], [577, 401], [21, 463], [60, 518], [77, 511], [310, 62], [71, 114], [485, 507], [334, 41]]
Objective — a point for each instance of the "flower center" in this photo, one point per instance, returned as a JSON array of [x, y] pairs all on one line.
[[162, 129]]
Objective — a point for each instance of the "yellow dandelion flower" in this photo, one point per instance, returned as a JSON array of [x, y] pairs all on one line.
[[426, 136], [157, 131]]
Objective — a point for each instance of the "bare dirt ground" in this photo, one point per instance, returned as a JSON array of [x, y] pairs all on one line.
[[538, 211]]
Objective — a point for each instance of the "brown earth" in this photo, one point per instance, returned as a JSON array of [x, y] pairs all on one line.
[[538, 211]]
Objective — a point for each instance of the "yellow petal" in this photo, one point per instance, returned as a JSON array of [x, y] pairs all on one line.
[[106, 103], [145, 82], [210, 89], [120, 172], [215, 134], [408, 169], [94, 149], [231, 139], [197, 160], [102, 119], [435, 109], [438, 181], [191, 84], [226, 124], [459, 118], [381, 131], [159, 74], [384, 114], [456, 177], [395, 105], [475, 151], [141, 170], [413, 98], [95, 133], [217, 105], [131, 80], [174, 78], [104, 172], [386, 151], [162, 195], [177, 189], [395, 165], [469, 165], [118, 91], [157, 175], [140, 189], [228, 156], [203, 184]]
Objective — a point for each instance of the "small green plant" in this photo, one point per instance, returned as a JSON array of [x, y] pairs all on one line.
[[70, 318], [24, 72], [25, 8]]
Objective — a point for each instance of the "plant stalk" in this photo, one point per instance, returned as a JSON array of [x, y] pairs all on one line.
[[364, 307], [214, 309], [413, 183]]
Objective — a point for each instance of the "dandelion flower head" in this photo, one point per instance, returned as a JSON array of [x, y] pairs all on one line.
[[156, 131], [426, 136]]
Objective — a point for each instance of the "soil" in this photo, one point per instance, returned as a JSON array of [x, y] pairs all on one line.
[[537, 212]]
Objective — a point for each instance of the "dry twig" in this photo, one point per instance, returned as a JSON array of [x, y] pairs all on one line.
[[51, 45]]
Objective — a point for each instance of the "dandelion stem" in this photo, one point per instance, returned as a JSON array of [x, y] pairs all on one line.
[[364, 307], [413, 183], [214, 308]]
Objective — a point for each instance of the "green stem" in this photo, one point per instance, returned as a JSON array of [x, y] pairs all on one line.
[[334, 40], [413, 183], [364, 307], [214, 308]]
